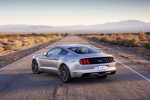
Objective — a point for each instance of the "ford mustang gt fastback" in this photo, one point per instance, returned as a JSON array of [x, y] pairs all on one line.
[[74, 60]]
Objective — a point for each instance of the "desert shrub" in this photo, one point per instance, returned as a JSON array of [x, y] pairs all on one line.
[[1, 49], [146, 45], [17, 43], [25, 44], [88, 36], [1, 45], [49, 38], [142, 35], [28, 41], [112, 41], [2, 36], [42, 39], [54, 36], [16, 36], [96, 38], [10, 43], [130, 36], [141, 50], [128, 39], [4, 40], [57, 35], [126, 42], [122, 42], [119, 37], [134, 42], [105, 38], [37, 40], [9, 47], [31, 41], [113, 35]]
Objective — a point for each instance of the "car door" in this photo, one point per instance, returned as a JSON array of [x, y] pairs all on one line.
[[51, 59]]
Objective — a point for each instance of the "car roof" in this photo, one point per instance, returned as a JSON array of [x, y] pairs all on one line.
[[71, 45]]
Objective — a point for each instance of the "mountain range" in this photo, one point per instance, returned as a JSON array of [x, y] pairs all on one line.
[[120, 27]]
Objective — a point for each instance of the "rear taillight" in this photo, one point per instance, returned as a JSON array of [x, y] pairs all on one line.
[[84, 61], [111, 59]]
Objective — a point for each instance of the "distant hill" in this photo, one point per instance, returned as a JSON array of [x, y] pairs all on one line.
[[122, 26], [24, 28]]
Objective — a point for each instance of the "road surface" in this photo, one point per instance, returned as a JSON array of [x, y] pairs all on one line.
[[17, 82]]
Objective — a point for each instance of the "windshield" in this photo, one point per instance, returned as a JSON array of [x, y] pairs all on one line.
[[84, 50]]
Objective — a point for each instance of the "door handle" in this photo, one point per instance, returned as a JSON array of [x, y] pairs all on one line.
[[50, 59]]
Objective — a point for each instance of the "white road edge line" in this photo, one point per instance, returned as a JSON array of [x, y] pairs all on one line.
[[133, 71], [127, 67], [14, 62]]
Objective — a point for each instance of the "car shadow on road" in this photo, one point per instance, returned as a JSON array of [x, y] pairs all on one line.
[[118, 77], [51, 81]]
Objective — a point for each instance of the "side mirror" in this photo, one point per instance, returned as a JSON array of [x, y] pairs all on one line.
[[44, 54]]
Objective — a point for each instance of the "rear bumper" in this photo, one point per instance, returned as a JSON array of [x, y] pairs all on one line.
[[96, 70], [99, 73]]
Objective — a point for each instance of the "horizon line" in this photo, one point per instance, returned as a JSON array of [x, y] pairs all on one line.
[[75, 24]]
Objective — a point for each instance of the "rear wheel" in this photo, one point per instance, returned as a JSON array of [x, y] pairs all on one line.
[[64, 74], [102, 76], [35, 67]]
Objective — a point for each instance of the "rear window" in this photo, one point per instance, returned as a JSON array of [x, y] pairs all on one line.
[[83, 50]]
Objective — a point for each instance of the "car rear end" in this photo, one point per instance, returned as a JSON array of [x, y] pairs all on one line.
[[94, 66], [89, 61]]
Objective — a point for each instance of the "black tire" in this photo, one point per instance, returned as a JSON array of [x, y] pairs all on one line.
[[102, 76], [64, 73], [35, 67]]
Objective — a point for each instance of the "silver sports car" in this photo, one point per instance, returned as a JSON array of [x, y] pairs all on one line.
[[74, 60]]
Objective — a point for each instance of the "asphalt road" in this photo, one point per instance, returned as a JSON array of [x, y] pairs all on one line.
[[18, 82]]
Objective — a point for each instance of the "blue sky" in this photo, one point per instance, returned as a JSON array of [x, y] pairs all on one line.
[[72, 12]]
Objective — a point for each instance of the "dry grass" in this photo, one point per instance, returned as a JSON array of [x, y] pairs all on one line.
[[42, 39], [9, 47], [14, 41], [1, 49], [1, 45], [127, 39], [17, 43], [3, 40], [146, 45], [141, 50]]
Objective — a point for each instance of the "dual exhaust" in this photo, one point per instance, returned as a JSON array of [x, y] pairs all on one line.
[[99, 73]]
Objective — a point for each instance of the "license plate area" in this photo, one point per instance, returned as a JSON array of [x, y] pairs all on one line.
[[103, 67]]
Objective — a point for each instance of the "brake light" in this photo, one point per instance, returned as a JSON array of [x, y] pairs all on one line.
[[111, 59], [84, 61]]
